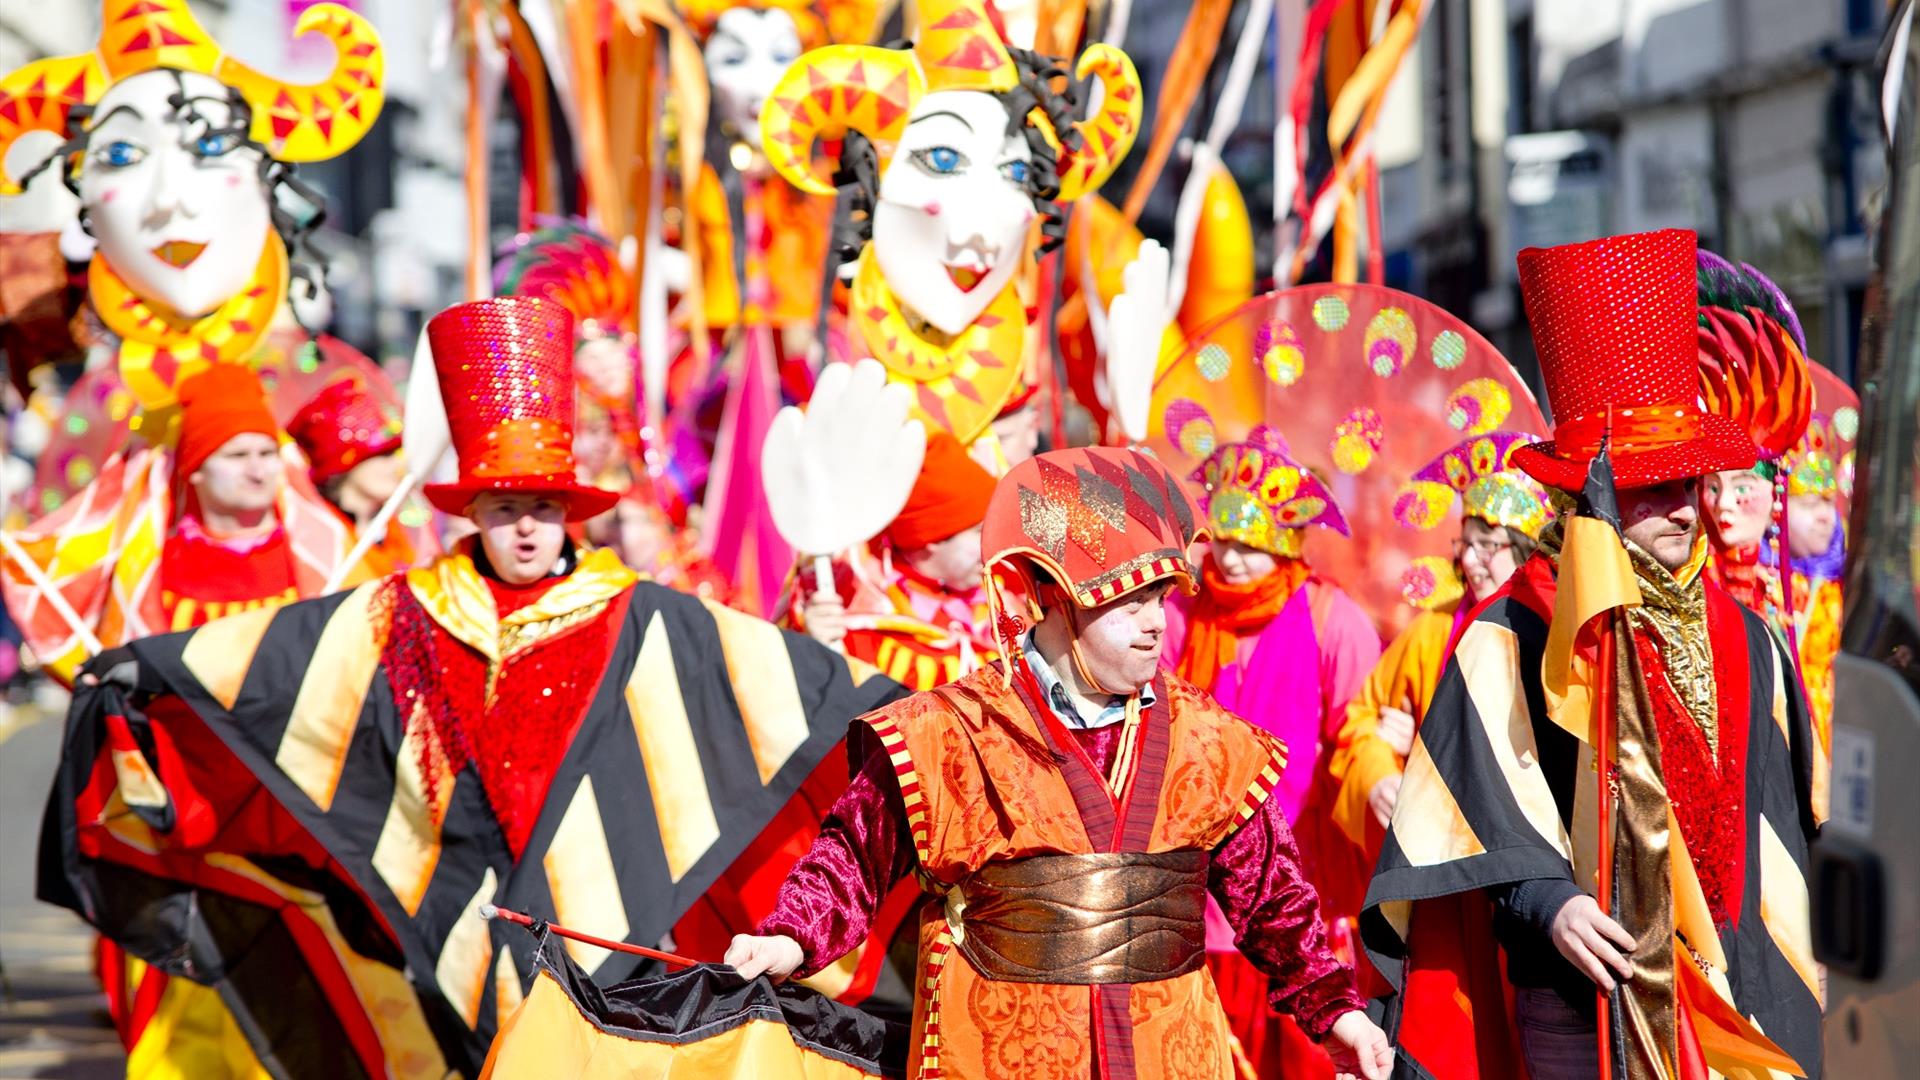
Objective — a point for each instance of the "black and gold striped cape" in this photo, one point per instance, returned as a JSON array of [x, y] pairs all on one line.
[[704, 724], [1496, 792]]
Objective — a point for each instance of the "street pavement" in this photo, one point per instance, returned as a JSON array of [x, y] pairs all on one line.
[[53, 1020]]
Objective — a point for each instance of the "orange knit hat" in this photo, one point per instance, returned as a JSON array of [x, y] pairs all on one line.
[[950, 497], [223, 401]]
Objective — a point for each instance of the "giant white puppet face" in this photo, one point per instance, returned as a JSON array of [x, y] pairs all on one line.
[[746, 54], [951, 222], [173, 195]]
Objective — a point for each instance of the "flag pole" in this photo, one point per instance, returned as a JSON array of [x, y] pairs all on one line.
[[1603, 736]]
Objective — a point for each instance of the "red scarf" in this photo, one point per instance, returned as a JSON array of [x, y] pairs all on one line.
[[1225, 613]]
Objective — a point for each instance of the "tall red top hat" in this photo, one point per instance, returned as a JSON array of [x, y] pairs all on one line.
[[506, 375], [1614, 322]]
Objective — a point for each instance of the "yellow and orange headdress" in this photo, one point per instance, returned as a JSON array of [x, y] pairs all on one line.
[[871, 90]]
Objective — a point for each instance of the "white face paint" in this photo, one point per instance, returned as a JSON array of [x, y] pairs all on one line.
[[175, 201], [746, 55], [951, 224]]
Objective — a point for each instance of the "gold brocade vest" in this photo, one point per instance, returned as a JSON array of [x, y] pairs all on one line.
[[984, 782]]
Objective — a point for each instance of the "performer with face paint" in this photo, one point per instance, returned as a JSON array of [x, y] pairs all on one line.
[[1127, 797], [955, 149]]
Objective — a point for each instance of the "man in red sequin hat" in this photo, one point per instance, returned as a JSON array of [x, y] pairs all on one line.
[[1609, 656], [521, 722], [352, 443], [1068, 809]]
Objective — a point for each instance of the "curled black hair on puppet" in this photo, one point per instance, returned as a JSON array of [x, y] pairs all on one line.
[[858, 172], [295, 225]]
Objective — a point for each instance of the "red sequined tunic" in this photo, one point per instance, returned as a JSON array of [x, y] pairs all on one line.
[[514, 722]]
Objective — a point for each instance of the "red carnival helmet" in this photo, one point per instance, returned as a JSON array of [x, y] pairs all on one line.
[[1100, 521], [344, 425], [506, 374], [1615, 323]]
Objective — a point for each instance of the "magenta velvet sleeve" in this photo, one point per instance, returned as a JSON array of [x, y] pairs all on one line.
[[828, 900], [1275, 915]]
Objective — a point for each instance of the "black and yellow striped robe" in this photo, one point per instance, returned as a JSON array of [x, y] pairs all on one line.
[[1496, 792], [364, 926]]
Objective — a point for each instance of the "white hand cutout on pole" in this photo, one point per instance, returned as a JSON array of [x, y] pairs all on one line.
[[838, 474]]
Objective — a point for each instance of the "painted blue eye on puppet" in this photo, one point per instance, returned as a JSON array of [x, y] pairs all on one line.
[[120, 154], [1016, 171], [940, 160], [215, 143]]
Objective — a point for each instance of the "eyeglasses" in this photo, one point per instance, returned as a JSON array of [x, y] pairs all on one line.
[[1486, 550]]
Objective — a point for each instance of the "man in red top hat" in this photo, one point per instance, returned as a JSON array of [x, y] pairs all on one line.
[[1609, 657], [1068, 810], [352, 445], [312, 804]]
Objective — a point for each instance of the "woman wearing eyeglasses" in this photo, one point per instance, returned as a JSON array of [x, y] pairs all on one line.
[[1502, 513]]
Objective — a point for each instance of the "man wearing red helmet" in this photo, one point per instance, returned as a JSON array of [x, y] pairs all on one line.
[[308, 807], [1070, 807], [1609, 658]]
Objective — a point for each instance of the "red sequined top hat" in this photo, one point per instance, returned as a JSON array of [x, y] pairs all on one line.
[[343, 426], [1614, 322], [1101, 522], [506, 375]]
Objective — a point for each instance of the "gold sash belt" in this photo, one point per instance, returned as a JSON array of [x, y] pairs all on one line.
[[1126, 917]]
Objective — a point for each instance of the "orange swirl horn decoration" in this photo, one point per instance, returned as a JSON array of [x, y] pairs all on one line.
[[1107, 135], [829, 92], [1752, 373], [295, 123]]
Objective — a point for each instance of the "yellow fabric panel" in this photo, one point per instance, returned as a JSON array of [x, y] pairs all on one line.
[[507, 995], [191, 1036], [579, 866], [675, 776], [1595, 575], [1406, 676], [549, 1037], [764, 685], [1785, 907], [1427, 820], [1489, 659], [409, 844], [467, 957], [327, 710], [219, 653]]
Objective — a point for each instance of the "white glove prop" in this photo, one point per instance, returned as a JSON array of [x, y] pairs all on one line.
[[1135, 324], [840, 472]]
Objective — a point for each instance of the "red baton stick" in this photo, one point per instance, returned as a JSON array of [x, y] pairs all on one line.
[[491, 911]]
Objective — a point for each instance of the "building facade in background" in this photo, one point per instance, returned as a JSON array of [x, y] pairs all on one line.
[[1539, 122]]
